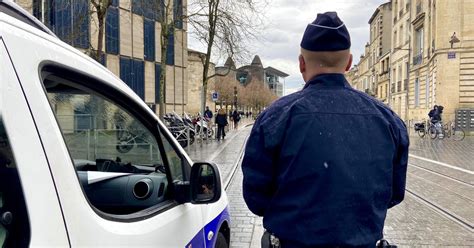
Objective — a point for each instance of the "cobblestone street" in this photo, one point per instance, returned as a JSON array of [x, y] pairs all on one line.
[[437, 210], [246, 228]]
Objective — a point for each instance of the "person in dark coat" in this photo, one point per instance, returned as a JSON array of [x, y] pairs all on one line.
[[221, 121], [437, 114], [323, 165], [208, 113], [236, 118], [432, 112]]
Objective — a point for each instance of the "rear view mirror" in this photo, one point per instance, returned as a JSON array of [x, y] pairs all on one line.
[[205, 183]]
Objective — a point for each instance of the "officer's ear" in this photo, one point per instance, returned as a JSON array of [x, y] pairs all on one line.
[[349, 63], [302, 64]]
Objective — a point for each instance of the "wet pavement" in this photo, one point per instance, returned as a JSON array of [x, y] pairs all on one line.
[[456, 153], [438, 207], [437, 210], [245, 226]]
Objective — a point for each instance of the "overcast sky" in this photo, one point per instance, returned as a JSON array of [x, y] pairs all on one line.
[[287, 20]]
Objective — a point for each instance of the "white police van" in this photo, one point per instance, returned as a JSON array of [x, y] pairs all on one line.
[[85, 162]]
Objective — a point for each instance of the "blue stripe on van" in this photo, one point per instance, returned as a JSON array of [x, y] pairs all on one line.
[[201, 237]]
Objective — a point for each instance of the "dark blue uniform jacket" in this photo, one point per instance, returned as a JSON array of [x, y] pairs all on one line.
[[322, 165]]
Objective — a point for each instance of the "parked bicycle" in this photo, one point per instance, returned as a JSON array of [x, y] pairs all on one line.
[[450, 130], [180, 128], [420, 129], [440, 131]]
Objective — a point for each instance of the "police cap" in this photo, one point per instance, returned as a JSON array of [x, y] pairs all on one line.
[[326, 33]]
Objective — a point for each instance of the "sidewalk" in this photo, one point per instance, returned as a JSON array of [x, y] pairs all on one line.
[[246, 227], [456, 153]]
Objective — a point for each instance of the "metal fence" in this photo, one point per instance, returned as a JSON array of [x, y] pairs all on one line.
[[91, 144]]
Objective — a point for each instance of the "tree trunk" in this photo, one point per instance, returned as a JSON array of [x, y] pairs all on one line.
[[164, 48], [101, 17]]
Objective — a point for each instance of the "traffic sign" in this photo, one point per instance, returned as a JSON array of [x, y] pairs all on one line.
[[215, 96]]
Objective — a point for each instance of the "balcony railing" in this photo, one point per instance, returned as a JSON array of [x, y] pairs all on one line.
[[418, 59], [405, 84], [399, 86]]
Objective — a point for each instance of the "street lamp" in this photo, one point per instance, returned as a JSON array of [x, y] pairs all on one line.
[[235, 97], [454, 39]]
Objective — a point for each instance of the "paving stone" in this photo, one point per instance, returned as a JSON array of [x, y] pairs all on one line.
[[457, 153], [410, 224]]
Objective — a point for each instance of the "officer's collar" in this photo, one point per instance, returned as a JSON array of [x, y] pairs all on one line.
[[329, 79]]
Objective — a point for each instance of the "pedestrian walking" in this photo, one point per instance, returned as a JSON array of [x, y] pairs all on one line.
[[221, 121], [236, 119], [208, 113], [323, 165]]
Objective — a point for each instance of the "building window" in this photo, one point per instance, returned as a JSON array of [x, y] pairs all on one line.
[[137, 7], [170, 50], [401, 36], [418, 56], [112, 31], [132, 72], [417, 92], [148, 9], [427, 88], [37, 9], [157, 82], [149, 39], [395, 39], [69, 20], [178, 13], [407, 30]]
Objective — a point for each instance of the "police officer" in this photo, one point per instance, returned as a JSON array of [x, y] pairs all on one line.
[[323, 165]]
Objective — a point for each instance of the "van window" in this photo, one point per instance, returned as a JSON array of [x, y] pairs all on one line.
[[117, 158], [14, 223]]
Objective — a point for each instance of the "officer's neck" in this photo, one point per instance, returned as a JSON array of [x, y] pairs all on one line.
[[314, 72]]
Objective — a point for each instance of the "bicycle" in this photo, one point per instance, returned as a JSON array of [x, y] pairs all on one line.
[[420, 129], [451, 130], [435, 130]]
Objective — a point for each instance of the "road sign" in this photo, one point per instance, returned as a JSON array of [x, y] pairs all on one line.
[[215, 96], [451, 55]]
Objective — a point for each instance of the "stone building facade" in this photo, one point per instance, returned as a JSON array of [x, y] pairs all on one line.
[[400, 57], [131, 43], [194, 83], [430, 62], [273, 78], [442, 65], [380, 44]]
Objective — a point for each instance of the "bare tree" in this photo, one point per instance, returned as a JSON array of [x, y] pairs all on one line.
[[100, 8], [167, 21], [224, 27]]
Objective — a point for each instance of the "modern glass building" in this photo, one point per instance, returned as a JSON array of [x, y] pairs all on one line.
[[131, 42]]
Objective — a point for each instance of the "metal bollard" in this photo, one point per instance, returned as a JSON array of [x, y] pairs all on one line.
[[189, 138], [215, 131]]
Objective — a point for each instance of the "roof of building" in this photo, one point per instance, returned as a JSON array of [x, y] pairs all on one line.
[[276, 72], [229, 63], [256, 61], [195, 51], [377, 10]]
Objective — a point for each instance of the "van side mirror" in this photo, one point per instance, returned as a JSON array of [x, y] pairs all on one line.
[[205, 183]]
